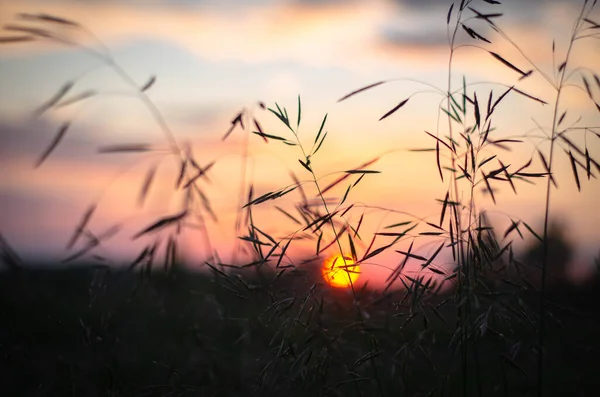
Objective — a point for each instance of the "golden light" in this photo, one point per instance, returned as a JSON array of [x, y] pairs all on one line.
[[340, 271]]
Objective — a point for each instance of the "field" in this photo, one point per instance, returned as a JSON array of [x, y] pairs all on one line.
[[94, 331], [473, 302]]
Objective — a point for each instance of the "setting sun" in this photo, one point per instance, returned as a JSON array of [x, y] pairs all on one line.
[[340, 272]]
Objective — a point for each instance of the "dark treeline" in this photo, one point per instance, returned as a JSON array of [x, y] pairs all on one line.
[[97, 331]]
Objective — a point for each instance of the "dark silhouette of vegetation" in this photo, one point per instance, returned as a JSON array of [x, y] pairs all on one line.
[[267, 325]]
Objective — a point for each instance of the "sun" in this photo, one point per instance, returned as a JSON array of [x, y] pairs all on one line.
[[340, 271]]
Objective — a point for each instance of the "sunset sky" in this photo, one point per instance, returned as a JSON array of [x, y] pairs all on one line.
[[213, 58]]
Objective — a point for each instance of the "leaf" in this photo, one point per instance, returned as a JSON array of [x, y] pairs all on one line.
[[489, 188], [48, 18], [562, 117], [452, 116], [352, 248], [182, 170], [79, 97], [320, 143], [55, 98], [437, 160], [398, 224], [410, 255], [345, 195], [361, 90], [287, 214], [547, 168], [530, 96], [444, 206], [432, 257], [394, 109], [126, 148], [82, 224], [147, 183], [588, 169], [360, 220], [487, 160], [449, 14], [440, 141], [236, 120], [344, 177], [574, 168], [507, 63], [477, 114], [161, 223], [148, 84], [305, 165], [363, 172], [264, 136], [376, 252], [587, 86], [474, 34], [320, 129], [15, 39], [532, 231], [201, 172], [57, 138], [500, 98], [299, 111]]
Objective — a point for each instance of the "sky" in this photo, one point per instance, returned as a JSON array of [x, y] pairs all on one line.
[[211, 59]]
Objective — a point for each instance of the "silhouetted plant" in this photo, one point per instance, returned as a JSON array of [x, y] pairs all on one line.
[[361, 341]]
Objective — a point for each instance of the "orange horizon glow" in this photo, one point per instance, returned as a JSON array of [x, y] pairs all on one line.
[[340, 271]]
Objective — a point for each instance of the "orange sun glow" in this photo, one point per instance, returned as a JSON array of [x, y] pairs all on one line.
[[340, 272]]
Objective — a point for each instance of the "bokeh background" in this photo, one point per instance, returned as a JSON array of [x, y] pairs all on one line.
[[213, 58]]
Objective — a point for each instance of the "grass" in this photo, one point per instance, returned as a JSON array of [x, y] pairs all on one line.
[[269, 325]]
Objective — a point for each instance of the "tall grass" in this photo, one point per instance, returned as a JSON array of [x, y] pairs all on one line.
[[314, 342]]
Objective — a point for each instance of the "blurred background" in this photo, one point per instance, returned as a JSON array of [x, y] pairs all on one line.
[[212, 59]]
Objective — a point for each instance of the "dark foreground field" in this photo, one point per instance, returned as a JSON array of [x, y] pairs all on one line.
[[100, 332]]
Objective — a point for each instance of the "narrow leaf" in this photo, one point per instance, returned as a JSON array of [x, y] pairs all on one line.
[[161, 223], [394, 109], [148, 84], [361, 90], [574, 168], [57, 138]]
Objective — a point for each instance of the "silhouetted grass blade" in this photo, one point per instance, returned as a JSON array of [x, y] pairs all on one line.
[[530, 96], [77, 98], [148, 84], [55, 98], [15, 39], [260, 131], [474, 34], [236, 120], [48, 18], [574, 168], [507, 63], [361, 90], [126, 148], [57, 138], [147, 183], [201, 173], [477, 114], [290, 216], [81, 226], [587, 87], [299, 112], [449, 14], [394, 109], [161, 223]]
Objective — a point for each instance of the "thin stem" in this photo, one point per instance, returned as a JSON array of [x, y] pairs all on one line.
[[540, 363]]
